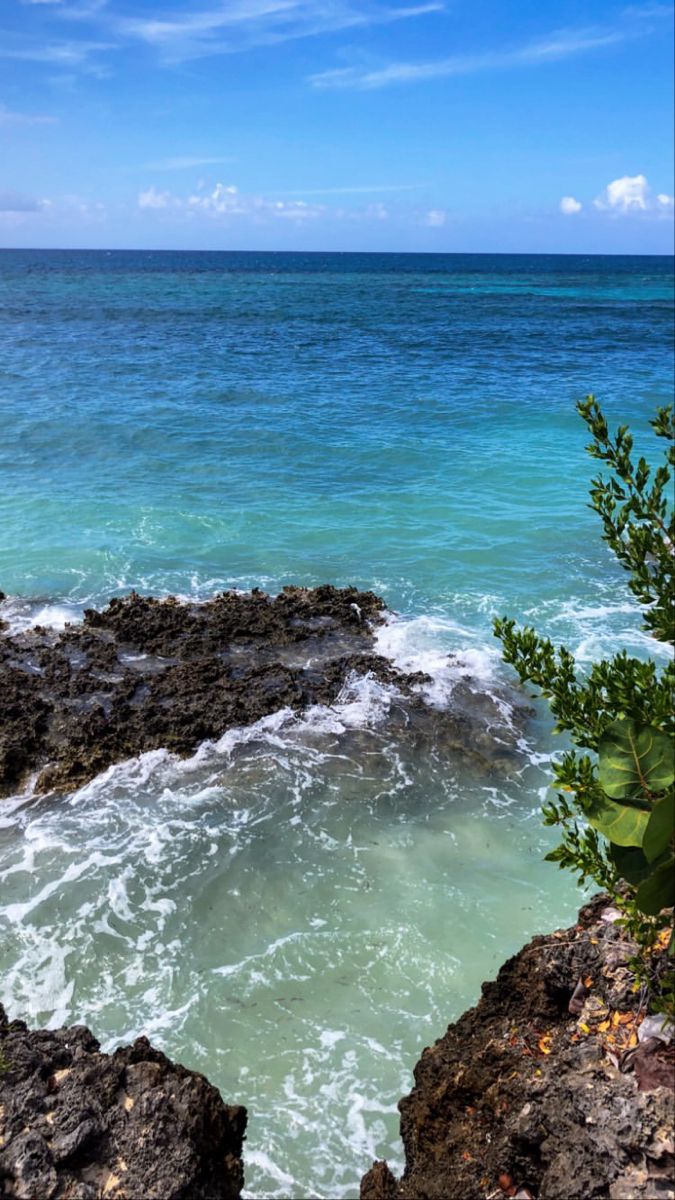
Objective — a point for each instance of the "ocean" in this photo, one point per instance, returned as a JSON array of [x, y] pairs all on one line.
[[299, 908]]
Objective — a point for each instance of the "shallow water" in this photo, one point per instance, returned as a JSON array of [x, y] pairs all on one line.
[[299, 909]]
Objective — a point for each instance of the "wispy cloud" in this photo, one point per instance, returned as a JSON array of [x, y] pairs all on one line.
[[360, 189], [69, 54], [183, 162], [15, 202], [241, 24], [435, 218], [8, 117], [552, 48], [226, 203]]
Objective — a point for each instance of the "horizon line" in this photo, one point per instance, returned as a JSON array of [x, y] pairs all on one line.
[[399, 253]]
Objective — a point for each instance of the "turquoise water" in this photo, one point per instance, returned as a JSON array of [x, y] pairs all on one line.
[[300, 908]]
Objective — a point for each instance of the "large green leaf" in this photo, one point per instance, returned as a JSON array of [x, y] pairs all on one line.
[[620, 823], [658, 891], [634, 759], [660, 828], [631, 863]]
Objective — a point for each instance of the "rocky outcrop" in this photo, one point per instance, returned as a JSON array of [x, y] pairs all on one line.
[[82, 1125], [146, 674], [143, 674], [555, 1086]]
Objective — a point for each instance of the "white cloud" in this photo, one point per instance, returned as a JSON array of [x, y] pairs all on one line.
[[7, 117], [553, 48], [377, 212], [228, 28], [569, 206], [154, 199], [226, 202], [351, 191], [184, 162], [435, 218], [73, 54], [630, 193], [15, 202]]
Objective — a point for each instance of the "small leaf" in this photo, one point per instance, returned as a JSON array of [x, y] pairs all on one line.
[[658, 891], [620, 823], [660, 828], [634, 759]]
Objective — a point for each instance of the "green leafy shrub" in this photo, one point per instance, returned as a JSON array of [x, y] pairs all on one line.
[[616, 799]]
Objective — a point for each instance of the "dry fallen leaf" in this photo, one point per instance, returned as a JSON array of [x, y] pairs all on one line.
[[624, 1018], [544, 1043], [588, 981], [603, 1026]]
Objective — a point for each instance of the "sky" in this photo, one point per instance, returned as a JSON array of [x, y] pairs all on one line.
[[406, 125]]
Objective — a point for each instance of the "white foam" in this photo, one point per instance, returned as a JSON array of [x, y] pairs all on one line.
[[20, 615], [441, 648]]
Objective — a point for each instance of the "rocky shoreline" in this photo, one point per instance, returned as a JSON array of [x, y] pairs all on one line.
[[132, 1125], [145, 674], [556, 1086]]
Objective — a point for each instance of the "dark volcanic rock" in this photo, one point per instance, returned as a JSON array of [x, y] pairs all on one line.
[[522, 1096], [144, 674], [133, 1125]]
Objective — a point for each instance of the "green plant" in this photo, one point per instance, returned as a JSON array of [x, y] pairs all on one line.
[[616, 798]]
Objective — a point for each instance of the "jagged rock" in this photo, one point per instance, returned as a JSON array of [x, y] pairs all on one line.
[[82, 1125], [520, 1088], [145, 674]]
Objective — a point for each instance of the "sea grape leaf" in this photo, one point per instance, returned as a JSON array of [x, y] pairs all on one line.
[[620, 823], [660, 827], [631, 863], [634, 759], [658, 891]]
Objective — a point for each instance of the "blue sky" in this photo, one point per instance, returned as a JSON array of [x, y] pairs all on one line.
[[427, 125]]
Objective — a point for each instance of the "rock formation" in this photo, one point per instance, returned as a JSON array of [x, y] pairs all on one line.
[[554, 1087], [82, 1125], [145, 674]]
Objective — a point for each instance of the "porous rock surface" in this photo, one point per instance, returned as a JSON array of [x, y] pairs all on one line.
[[523, 1097], [145, 674], [76, 1124]]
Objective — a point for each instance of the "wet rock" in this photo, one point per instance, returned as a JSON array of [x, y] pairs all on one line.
[[521, 1089], [80, 1124], [146, 674]]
